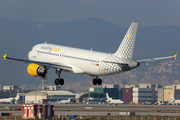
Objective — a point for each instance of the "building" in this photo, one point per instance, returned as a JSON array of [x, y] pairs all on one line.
[[115, 93], [52, 88], [13, 88], [127, 95], [21, 98], [141, 95], [110, 86], [130, 86], [167, 95], [175, 86], [51, 96], [113, 90], [160, 95]]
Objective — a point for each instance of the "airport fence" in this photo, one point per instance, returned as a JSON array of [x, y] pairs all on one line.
[[95, 118]]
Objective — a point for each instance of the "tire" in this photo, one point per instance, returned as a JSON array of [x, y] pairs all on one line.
[[94, 81], [56, 81], [99, 81], [61, 82]]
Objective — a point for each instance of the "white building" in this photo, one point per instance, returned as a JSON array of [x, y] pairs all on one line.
[[52, 96], [175, 86], [130, 86], [160, 95], [141, 95], [148, 93], [51, 88], [13, 87], [110, 86]]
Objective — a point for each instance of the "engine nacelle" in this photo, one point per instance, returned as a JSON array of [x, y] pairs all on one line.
[[36, 70]]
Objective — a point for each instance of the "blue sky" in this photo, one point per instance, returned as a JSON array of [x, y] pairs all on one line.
[[119, 12]]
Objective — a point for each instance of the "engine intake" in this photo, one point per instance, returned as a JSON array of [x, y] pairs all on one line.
[[36, 70]]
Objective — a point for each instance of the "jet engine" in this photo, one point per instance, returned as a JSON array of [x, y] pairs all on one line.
[[36, 70]]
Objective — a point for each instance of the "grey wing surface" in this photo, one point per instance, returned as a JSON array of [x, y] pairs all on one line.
[[150, 60], [54, 64]]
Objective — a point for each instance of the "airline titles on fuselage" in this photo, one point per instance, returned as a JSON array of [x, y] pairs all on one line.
[[49, 49]]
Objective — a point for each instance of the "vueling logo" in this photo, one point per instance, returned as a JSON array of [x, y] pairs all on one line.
[[49, 48], [56, 49]]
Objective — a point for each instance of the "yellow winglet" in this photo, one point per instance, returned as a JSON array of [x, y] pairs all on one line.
[[5, 56], [175, 56]]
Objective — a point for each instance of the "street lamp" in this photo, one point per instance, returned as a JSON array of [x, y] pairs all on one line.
[[10, 63]]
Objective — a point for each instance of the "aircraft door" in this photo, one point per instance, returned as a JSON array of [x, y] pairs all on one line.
[[61, 56]]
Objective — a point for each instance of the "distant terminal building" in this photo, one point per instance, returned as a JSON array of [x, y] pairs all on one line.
[[110, 86], [5, 92], [138, 93], [52, 88], [130, 86], [15, 88], [125, 94], [175, 86], [147, 93], [174, 92], [160, 95], [51, 96], [141, 95]]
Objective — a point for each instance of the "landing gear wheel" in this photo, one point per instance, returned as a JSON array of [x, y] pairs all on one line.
[[95, 81], [61, 81], [99, 81], [56, 81]]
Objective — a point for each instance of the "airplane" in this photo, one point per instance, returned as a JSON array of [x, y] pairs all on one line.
[[174, 101], [113, 101], [79, 61], [65, 101], [10, 100]]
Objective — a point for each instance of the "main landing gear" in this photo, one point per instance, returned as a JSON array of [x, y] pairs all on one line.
[[59, 80], [96, 81]]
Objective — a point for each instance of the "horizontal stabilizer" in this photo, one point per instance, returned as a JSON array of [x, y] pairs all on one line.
[[155, 59]]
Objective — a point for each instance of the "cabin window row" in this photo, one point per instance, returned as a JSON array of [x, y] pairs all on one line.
[[80, 58]]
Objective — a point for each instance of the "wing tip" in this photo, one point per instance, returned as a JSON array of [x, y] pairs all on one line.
[[175, 56], [5, 56]]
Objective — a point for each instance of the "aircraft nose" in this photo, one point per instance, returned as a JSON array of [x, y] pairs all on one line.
[[30, 55]]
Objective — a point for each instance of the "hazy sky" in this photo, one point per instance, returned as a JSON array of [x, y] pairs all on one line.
[[120, 12]]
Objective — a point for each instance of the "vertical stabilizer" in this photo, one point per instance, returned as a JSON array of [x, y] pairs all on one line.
[[126, 47], [172, 99], [17, 96], [107, 96]]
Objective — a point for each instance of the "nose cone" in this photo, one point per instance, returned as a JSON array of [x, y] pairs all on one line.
[[30, 55]]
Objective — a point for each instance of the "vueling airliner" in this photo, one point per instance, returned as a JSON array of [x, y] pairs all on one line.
[[67, 59]]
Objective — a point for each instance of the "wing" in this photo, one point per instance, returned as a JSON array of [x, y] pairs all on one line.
[[53, 64], [155, 59]]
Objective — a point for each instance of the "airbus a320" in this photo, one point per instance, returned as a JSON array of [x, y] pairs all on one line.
[[79, 61]]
